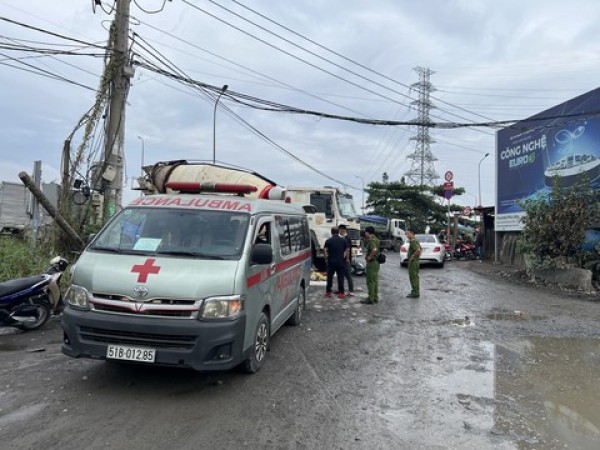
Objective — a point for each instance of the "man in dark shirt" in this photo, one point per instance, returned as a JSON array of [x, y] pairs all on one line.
[[336, 251], [348, 263]]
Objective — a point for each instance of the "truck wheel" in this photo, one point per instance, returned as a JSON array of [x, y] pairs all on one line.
[[43, 313], [296, 318], [260, 346]]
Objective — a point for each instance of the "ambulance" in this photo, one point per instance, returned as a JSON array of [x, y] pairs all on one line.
[[201, 276]]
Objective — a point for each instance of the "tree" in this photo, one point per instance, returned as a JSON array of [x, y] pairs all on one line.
[[415, 204], [555, 224]]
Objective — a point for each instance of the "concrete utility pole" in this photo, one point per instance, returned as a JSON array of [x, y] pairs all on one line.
[[112, 169], [422, 171]]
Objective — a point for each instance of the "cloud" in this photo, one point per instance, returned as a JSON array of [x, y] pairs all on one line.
[[500, 60]]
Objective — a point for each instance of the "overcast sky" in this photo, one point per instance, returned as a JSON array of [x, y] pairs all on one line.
[[498, 60]]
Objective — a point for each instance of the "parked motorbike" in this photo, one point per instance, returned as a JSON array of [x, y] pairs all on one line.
[[27, 303], [357, 268], [463, 250], [448, 255]]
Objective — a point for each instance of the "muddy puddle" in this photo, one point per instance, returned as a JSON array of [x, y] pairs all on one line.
[[512, 316], [530, 393]]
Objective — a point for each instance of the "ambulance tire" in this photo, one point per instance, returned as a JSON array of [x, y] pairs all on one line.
[[296, 318], [261, 344]]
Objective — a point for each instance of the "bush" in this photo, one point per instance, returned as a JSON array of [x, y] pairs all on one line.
[[17, 260], [555, 225]]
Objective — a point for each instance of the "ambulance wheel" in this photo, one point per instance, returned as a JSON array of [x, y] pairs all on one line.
[[260, 347], [296, 318]]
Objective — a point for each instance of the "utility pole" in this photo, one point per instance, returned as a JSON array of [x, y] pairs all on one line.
[[112, 169]]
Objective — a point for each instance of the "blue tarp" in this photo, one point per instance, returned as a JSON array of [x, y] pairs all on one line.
[[374, 219]]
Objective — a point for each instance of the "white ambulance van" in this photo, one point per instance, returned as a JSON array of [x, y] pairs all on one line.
[[190, 278]]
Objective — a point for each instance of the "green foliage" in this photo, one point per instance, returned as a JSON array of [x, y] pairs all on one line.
[[415, 204], [17, 260], [440, 192], [555, 224]]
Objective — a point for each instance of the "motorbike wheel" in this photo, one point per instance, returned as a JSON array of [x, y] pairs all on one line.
[[44, 310]]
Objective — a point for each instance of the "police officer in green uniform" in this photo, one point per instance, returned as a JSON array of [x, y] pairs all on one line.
[[372, 254], [414, 253]]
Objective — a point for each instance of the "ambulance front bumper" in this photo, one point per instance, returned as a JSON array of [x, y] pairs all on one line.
[[200, 345]]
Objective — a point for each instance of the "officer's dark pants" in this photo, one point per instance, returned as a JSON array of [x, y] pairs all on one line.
[[348, 276], [338, 269]]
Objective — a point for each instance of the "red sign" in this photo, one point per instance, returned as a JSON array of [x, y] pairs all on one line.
[[448, 185], [148, 268]]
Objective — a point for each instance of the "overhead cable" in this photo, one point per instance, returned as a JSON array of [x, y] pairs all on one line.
[[362, 66]]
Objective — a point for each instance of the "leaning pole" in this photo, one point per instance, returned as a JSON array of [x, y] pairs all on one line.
[[39, 195]]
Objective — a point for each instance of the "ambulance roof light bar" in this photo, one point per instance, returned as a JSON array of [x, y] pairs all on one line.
[[225, 188]]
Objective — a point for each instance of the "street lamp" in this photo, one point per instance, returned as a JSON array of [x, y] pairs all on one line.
[[479, 176], [363, 191], [142, 164], [223, 89]]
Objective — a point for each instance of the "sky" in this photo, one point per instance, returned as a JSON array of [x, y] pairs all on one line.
[[502, 60]]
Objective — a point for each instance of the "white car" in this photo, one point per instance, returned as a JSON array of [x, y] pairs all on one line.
[[432, 250]]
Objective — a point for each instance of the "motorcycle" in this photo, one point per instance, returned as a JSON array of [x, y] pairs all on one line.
[[27, 303], [357, 268], [463, 250], [448, 252]]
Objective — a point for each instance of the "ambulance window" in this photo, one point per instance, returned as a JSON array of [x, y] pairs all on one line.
[[283, 232], [299, 238], [263, 235]]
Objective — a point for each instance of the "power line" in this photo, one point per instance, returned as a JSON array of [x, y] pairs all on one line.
[[245, 123], [51, 33], [314, 65], [41, 72], [342, 56], [151, 12], [266, 76], [268, 105]]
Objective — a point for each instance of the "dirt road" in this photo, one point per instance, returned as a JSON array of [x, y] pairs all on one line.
[[476, 362]]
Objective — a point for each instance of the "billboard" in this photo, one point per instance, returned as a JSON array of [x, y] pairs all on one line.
[[563, 140]]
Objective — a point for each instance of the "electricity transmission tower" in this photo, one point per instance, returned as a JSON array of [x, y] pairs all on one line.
[[422, 170]]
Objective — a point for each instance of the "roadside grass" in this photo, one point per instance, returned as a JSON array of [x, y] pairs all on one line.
[[17, 259]]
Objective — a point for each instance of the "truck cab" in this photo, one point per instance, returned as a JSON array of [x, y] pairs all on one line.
[[326, 207]]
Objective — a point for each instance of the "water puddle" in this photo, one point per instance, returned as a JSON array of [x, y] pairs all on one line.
[[11, 347], [531, 393], [512, 316], [549, 390]]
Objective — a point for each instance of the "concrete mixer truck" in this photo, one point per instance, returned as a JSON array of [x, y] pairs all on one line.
[[325, 207]]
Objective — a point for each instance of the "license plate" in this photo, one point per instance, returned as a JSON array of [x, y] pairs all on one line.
[[126, 353]]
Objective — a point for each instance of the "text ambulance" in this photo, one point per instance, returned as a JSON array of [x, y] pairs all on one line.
[[191, 279]]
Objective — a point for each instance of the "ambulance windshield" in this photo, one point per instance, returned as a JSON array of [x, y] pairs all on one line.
[[196, 233]]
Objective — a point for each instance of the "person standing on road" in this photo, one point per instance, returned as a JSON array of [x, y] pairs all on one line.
[[372, 257], [336, 250], [414, 255], [348, 262], [479, 244]]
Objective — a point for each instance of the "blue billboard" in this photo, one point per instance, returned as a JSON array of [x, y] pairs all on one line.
[[562, 141]]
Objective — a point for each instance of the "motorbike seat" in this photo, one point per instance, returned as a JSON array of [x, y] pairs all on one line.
[[11, 286]]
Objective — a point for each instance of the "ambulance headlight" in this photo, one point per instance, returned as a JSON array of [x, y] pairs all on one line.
[[78, 297], [222, 307]]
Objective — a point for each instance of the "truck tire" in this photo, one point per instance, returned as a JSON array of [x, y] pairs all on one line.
[[260, 346]]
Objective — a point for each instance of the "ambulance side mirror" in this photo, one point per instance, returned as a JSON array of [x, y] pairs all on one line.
[[262, 254]]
